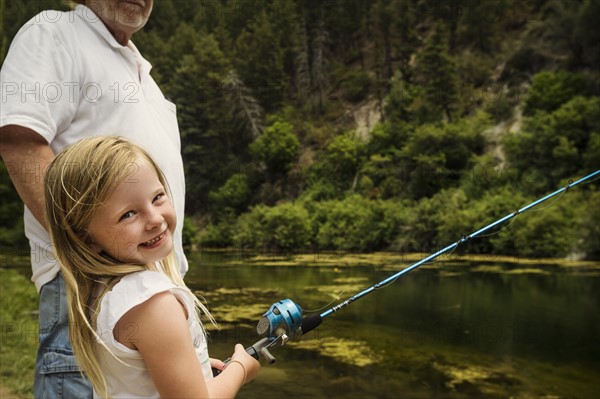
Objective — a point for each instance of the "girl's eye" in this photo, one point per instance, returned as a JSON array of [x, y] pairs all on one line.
[[158, 197], [126, 215]]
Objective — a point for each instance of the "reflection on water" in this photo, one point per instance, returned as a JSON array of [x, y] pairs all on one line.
[[451, 330]]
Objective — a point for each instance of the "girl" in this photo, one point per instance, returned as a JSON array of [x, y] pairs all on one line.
[[134, 325]]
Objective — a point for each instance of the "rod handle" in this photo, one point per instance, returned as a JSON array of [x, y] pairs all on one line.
[[254, 350]]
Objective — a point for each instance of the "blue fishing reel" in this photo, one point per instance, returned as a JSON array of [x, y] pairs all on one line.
[[282, 322], [284, 318]]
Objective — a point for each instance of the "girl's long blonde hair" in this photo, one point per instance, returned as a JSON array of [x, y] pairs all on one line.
[[77, 183]]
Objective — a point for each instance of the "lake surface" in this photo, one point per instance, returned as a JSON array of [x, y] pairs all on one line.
[[449, 330]]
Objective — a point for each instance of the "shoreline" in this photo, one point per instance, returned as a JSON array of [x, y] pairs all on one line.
[[237, 256]]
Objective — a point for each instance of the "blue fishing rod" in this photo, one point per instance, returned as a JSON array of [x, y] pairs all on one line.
[[283, 321]]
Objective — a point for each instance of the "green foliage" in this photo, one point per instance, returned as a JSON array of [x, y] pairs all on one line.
[[260, 61], [437, 154], [19, 303], [226, 63], [462, 215], [285, 226], [337, 171], [557, 145], [189, 233], [550, 90], [277, 148], [438, 77], [589, 220], [203, 119], [234, 194], [587, 32], [546, 234], [356, 223], [356, 86], [220, 232], [399, 105]]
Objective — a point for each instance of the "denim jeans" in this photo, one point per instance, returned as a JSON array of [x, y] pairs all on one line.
[[57, 375]]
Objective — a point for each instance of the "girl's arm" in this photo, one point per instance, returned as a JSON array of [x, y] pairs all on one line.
[[162, 337]]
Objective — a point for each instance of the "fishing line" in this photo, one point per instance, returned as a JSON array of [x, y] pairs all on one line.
[[337, 297]]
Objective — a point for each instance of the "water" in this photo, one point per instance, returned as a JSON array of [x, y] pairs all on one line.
[[451, 330]]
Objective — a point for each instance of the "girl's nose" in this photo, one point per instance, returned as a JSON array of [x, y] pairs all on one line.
[[154, 219]]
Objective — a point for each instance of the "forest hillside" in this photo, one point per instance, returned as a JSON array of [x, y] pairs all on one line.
[[361, 125]]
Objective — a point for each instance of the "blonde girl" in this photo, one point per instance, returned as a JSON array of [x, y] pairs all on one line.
[[134, 325]]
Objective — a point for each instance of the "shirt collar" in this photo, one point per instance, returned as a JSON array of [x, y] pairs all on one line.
[[96, 23]]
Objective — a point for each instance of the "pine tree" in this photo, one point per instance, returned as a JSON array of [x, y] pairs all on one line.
[[438, 76], [320, 62], [302, 76], [260, 62]]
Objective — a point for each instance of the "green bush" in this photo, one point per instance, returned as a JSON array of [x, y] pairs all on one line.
[[589, 231], [550, 234], [234, 194], [336, 171], [189, 233], [357, 224], [285, 226], [557, 145], [436, 155], [220, 232], [277, 148], [550, 90]]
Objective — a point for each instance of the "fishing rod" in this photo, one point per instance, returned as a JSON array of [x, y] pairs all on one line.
[[283, 321]]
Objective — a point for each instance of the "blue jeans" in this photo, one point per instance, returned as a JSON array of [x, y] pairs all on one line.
[[57, 375]]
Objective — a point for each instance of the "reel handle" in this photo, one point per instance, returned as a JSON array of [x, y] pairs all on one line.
[[258, 348]]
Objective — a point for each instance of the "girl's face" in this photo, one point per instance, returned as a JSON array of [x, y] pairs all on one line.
[[137, 221]]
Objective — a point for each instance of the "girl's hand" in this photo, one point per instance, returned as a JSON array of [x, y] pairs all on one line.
[[217, 364], [250, 364]]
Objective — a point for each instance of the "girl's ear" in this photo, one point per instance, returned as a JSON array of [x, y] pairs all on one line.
[[91, 244], [94, 247]]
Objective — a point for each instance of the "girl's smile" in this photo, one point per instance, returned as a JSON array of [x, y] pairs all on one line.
[[155, 242], [137, 221]]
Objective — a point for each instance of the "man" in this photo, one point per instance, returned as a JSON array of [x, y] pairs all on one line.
[[68, 76]]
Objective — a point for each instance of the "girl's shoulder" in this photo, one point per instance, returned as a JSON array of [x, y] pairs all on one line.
[[132, 290], [144, 281]]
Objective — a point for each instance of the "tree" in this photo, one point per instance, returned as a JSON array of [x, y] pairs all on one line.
[[554, 36], [587, 32], [556, 145], [234, 194], [342, 161], [550, 90], [207, 141], [260, 62], [276, 149], [437, 76], [436, 155]]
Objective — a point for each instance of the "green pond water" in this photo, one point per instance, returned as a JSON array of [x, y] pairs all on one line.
[[448, 330]]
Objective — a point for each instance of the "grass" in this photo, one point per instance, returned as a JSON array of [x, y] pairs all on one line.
[[18, 334]]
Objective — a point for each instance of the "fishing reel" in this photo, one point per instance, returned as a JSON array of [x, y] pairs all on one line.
[[284, 318], [281, 323]]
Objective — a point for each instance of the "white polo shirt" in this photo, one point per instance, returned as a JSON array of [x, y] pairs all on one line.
[[66, 77]]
